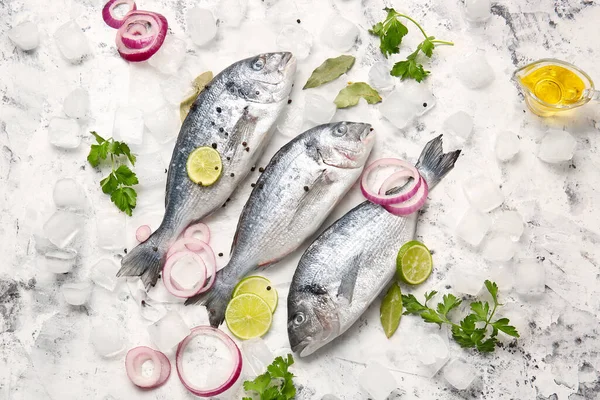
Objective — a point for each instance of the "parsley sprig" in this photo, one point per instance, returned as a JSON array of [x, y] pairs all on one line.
[[472, 331], [391, 32], [118, 183], [276, 383]]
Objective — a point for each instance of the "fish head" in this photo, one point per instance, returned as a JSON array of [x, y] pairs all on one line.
[[265, 78], [313, 320], [345, 144]]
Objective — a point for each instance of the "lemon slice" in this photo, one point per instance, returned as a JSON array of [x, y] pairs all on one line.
[[259, 286], [414, 263], [248, 316], [204, 166]]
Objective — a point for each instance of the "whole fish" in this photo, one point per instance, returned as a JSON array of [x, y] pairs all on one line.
[[292, 198], [351, 262], [235, 114]]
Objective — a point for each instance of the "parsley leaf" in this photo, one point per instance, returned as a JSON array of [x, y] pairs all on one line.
[[276, 383], [450, 302], [502, 325], [412, 305], [109, 184], [409, 69], [493, 289], [125, 199], [126, 176], [480, 310], [427, 46]]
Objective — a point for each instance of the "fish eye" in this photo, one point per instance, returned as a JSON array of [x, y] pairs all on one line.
[[258, 64], [340, 130], [299, 319]]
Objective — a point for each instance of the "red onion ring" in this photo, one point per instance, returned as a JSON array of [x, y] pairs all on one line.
[[143, 233], [173, 287], [133, 365], [108, 12], [199, 227], [198, 246], [413, 204], [235, 352], [385, 199], [139, 47]]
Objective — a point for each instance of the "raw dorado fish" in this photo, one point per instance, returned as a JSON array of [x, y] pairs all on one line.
[[351, 262], [234, 114], [292, 198]]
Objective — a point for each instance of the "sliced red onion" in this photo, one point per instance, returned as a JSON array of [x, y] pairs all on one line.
[[108, 12], [134, 360], [135, 45], [199, 227], [203, 249], [143, 233], [235, 353], [385, 199], [173, 287], [413, 204]]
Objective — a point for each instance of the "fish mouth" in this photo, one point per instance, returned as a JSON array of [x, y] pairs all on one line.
[[302, 348], [287, 60], [365, 134]]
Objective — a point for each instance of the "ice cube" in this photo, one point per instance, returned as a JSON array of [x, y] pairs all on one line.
[[201, 25], [25, 36], [530, 278], [104, 274], [64, 133], [170, 56], [318, 109], [72, 42], [478, 10], [295, 39], [60, 261], [168, 331], [128, 125], [110, 229], [257, 356], [459, 124], [482, 193], [377, 381], [507, 145], [474, 71], [290, 122], [177, 88], [150, 170], [163, 124], [186, 272], [69, 194], [77, 103], [380, 78], [106, 338], [232, 12], [459, 374], [339, 33], [407, 102], [503, 275], [145, 87], [431, 349], [510, 223], [499, 248], [473, 226], [466, 282], [330, 397], [76, 294], [63, 227], [557, 146]]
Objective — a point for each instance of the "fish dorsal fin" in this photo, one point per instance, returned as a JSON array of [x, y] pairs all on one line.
[[346, 289], [241, 133]]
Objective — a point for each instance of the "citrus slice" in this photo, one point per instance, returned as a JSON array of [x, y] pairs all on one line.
[[259, 286], [248, 316], [204, 166], [414, 263]]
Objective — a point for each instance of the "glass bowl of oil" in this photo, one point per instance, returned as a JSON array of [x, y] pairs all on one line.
[[552, 86]]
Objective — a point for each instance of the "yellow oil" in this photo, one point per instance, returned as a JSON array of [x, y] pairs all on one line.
[[555, 84]]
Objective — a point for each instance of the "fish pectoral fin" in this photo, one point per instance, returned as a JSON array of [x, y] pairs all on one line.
[[242, 130], [313, 195], [348, 283]]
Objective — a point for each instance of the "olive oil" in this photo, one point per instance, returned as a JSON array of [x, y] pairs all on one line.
[[555, 84]]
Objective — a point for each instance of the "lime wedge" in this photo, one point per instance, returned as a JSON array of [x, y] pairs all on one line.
[[259, 286], [414, 263], [204, 166], [390, 311], [248, 316]]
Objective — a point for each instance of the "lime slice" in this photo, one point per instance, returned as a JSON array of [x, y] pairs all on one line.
[[248, 316], [414, 263], [204, 166], [259, 286]]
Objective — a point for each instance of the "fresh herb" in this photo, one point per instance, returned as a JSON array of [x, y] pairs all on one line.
[[331, 69], [472, 331], [351, 94], [198, 86], [275, 384], [391, 32], [118, 183], [390, 312]]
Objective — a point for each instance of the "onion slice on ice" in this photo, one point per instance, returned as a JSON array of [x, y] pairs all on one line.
[[143, 233], [141, 35], [134, 360], [199, 227], [202, 249], [108, 12], [235, 353], [172, 286], [386, 199]]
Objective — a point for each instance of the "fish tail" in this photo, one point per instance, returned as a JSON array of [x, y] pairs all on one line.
[[215, 300], [146, 259], [433, 163]]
